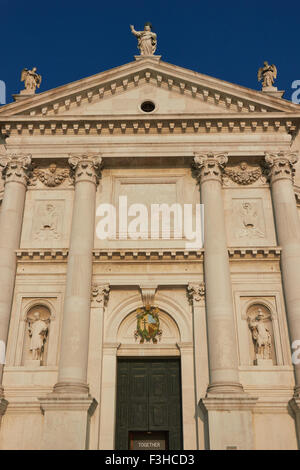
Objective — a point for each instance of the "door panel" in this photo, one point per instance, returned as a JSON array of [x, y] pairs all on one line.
[[149, 400]]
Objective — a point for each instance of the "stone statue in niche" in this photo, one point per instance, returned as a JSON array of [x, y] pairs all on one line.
[[38, 331], [261, 336], [48, 226], [249, 219], [147, 40]]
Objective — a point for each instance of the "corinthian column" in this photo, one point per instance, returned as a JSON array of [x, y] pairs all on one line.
[[224, 392], [68, 408], [15, 174], [281, 170], [72, 376], [223, 361]]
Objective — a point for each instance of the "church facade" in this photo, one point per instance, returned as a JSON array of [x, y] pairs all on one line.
[[128, 341]]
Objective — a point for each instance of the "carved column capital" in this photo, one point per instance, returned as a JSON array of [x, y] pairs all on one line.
[[99, 296], [196, 292], [86, 167], [281, 165], [209, 166], [15, 168]]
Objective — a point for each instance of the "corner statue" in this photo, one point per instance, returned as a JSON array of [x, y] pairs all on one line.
[[267, 75], [147, 41], [31, 79]]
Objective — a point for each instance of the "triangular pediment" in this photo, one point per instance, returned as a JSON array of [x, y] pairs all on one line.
[[174, 90], [129, 102]]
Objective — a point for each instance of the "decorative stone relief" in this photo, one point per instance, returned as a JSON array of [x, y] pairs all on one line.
[[100, 294], [148, 293], [15, 167], [260, 323], [48, 222], [243, 175], [148, 326], [250, 223], [196, 292], [38, 322], [51, 176]]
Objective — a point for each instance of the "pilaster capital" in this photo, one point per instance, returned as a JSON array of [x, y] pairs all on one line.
[[86, 167], [15, 167], [196, 293], [209, 166], [281, 165], [99, 296]]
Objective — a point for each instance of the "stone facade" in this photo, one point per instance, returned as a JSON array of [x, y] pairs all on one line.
[[230, 310]]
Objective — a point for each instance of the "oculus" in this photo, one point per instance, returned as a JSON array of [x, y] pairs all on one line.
[[148, 106]]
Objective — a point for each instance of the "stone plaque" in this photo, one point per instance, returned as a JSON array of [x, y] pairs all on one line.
[[152, 440]]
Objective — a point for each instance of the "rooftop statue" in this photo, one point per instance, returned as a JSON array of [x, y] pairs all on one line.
[[31, 79], [267, 75], [147, 40]]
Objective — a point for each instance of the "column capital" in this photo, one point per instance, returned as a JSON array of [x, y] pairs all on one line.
[[86, 167], [280, 165], [15, 167], [209, 166], [196, 292], [100, 294]]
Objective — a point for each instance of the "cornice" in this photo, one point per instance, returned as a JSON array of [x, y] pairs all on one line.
[[114, 255], [154, 255], [256, 253], [150, 124], [160, 73]]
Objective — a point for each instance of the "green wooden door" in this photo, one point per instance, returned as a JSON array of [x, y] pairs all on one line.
[[149, 399]]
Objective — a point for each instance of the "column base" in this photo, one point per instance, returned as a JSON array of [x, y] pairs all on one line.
[[295, 406], [67, 416], [225, 387], [71, 387], [229, 420]]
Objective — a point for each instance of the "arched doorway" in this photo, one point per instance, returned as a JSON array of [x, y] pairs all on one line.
[[120, 344]]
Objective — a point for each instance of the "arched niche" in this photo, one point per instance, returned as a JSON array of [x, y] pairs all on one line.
[[175, 315], [170, 332]]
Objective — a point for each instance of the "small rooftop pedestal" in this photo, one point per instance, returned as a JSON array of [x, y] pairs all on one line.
[[156, 58], [273, 91]]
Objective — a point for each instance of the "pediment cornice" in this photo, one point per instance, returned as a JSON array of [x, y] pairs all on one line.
[[224, 95]]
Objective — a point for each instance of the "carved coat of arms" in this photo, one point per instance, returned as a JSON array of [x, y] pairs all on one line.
[[148, 324]]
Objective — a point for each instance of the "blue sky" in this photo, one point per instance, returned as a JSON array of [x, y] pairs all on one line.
[[69, 39]]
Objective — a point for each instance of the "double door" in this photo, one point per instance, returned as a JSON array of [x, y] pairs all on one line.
[[149, 404]]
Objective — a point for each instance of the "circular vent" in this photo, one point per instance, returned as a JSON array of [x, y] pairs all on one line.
[[147, 106]]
